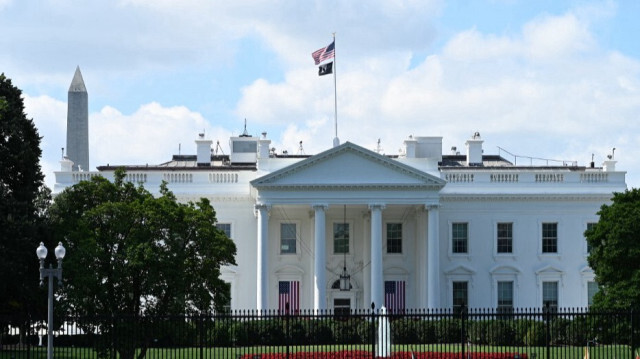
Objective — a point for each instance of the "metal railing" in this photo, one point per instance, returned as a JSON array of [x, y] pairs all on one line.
[[537, 333]]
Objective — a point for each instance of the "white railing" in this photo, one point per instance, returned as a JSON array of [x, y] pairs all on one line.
[[598, 177], [549, 177], [223, 177], [136, 177], [504, 177], [178, 177], [83, 176], [536, 177], [458, 177]]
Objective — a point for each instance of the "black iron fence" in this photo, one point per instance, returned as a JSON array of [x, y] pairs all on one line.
[[465, 334]]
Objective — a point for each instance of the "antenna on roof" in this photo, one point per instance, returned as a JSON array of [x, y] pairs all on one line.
[[218, 147], [245, 133], [179, 148], [300, 149], [379, 147], [62, 152], [613, 153]]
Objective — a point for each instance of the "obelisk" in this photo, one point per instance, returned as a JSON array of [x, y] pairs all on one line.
[[78, 123]]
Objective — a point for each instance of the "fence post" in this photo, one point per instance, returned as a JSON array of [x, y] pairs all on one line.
[[373, 330], [463, 310], [547, 316], [286, 321], [113, 338], [632, 341], [202, 334]]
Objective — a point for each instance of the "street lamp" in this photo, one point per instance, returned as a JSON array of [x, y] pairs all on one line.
[[50, 272]]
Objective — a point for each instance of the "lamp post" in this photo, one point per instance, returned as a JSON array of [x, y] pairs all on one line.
[[51, 273]]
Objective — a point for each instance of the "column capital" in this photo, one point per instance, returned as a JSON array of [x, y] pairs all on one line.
[[320, 206], [432, 206], [259, 207], [376, 206]]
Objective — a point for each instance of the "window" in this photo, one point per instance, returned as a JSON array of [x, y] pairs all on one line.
[[460, 295], [459, 237], [225, 227], [340, 238], [505, 296], [245, 146], [592, 289], [341, 306], [550, 295], [288, 238], [505, 238], [549, 238], [394, 237], [589, 227]]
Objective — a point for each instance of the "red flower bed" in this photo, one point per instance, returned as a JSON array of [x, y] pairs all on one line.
[[357, 354]]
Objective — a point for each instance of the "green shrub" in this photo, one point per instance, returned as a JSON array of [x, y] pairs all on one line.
[[405, 331], [535, 335], [365, 331], [559, 330], [320, 332], [448, 330], [501, 332], [219, 334], [427, 332], [298, 332], [346, 331]]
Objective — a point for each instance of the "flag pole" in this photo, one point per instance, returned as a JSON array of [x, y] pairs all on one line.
[[336, 141]]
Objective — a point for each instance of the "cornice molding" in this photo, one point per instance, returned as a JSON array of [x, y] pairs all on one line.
[[352, 186]]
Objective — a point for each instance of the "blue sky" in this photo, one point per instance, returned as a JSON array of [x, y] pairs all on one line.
[[547, 79]]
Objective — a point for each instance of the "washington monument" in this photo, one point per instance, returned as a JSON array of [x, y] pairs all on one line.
[[78, 123]]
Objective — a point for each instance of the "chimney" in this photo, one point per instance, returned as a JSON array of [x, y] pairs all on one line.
[[474, 150], [66, 165], [263, 144], [410, 147], [609, 166], [204, 150]]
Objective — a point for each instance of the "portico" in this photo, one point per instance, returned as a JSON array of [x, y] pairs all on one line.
[[367, 195]]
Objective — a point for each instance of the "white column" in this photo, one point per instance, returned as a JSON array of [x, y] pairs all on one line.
[[263, 257], [320, 260], [377, 279], [433, 257]]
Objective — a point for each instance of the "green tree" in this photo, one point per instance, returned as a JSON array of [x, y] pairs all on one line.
[[614, 253], [23, 200], [131, 255]]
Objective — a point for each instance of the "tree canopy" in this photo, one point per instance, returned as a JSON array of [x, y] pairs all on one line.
[[131, 253], [23, 199], [615, 251]]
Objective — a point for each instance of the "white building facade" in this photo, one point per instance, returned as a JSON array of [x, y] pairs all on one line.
[[419, 230]]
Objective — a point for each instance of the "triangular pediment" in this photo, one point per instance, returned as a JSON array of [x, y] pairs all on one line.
[[348, 165]]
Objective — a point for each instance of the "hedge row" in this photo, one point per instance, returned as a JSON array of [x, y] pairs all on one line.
[[518, 332]]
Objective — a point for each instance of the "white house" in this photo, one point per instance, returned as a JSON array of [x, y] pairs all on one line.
[[419, 230]]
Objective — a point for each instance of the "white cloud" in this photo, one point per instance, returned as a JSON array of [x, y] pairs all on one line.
[[556, 37], [150, 135]]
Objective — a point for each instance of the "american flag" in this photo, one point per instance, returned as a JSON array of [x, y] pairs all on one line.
[[289, 292], [394, 296], [324, 53]]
